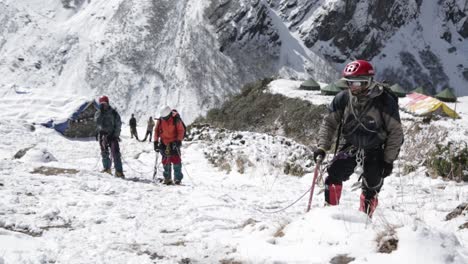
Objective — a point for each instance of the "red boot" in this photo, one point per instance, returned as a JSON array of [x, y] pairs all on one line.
[[333, 193], [368, 206]]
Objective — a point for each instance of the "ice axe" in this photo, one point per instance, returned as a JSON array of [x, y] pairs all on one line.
[[316, 172], [155, 166]]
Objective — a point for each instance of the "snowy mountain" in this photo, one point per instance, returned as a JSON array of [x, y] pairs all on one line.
[[412, 42], [143, 54], [193, 54]]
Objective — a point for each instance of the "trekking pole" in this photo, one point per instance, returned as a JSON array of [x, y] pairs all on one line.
[[316, 172], [156, 166]]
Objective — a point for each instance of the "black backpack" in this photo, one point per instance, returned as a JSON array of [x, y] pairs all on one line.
[[177, 118], [388, 90]]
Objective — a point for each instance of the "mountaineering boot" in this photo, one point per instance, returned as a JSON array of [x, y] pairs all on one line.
[[333, 193], [168, 181], [106, 171], [178, 176], [119, 174], [167, 174], [178, 182], [368, 206]]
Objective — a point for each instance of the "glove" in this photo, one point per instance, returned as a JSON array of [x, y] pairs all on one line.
[[319, 153], [97, 136], [156, 146], [387, 169]]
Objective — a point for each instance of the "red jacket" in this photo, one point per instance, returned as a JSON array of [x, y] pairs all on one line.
[[168, 131]]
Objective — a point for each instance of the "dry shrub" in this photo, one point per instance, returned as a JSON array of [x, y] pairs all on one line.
[[387, 240]]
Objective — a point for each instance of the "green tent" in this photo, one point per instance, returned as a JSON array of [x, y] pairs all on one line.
[[446, 95], [420, 90], [398, 90], [341, 83], [310, 84], [334, 88]]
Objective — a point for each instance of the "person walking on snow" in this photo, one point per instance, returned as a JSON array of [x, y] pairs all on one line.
[[108, 125], [168, 135], [369, 117], [133, 129], [149, 129]]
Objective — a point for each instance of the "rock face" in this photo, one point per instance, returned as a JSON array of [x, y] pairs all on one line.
[[193, 54], [190, 55], [410, 42]]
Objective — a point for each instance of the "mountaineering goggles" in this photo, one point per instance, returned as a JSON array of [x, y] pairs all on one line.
[[357, 82]]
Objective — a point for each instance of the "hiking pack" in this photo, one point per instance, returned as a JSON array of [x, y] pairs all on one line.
[[177, 118]]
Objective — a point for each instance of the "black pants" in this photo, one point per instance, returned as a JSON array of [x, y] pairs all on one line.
[[133, 132], [148, 133], [343, 165]]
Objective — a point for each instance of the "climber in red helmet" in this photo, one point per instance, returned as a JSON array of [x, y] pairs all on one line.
[[368, 116]]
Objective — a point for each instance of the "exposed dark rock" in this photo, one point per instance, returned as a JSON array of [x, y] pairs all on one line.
[[463, 31], [437, 75], [447, 36], [21, 152], [461, 209], [341, 259], [465, 74], [51, 171]]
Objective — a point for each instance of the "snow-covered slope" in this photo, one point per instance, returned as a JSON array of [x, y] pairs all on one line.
[[143, 54], [57, 208]]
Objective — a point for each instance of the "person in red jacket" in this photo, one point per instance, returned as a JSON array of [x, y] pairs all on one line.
[[168, 135]]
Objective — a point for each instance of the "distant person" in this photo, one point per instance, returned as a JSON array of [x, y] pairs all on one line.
[[369, 119], [133, 127], [108, 125], [169, 133], [149, 129]]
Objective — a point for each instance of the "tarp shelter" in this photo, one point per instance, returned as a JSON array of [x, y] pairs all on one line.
[[420, 90], [334, 88], [310, 84], [398, 90], [80, 124], [423, 105], [446, 95]]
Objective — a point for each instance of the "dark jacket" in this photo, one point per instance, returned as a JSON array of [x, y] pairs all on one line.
[[369, 122], [108, 122], [133, 122]]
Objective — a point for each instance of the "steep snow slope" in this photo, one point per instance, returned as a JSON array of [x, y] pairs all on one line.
[[143, 54], [79, 215]]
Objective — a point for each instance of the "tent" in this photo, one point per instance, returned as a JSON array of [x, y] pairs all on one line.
[[423, 105], [420, 90], [80, 124], [398, 90], [446, 95], [334, 88], [310, 84]]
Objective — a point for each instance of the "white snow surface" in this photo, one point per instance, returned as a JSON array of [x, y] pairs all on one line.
[[91, 217]]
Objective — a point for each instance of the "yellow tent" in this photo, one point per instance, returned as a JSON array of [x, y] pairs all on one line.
[[421, 104]]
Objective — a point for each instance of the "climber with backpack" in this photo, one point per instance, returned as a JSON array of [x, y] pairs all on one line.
[[168, 135], [108, 126], [367, 116]]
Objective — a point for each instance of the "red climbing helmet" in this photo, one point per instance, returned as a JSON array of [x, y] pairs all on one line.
[[103, 99], [358, 68]]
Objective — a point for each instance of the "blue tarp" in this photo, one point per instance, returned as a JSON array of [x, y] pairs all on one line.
[[63, 126]]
